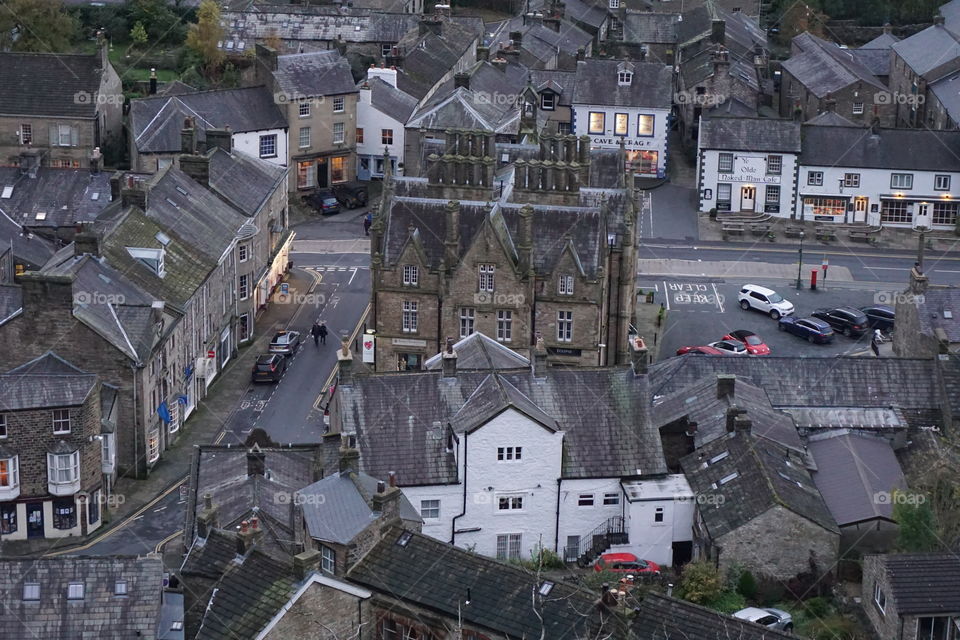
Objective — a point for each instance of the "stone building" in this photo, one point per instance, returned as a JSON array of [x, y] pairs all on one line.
[[926, 324], [54, 451], [912, 596], [712, 78], [914, 73], [67, 107], [510, 250]]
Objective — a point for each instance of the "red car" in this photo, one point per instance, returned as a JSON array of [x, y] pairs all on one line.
[[625, 563], [755, 346], [702, 350]]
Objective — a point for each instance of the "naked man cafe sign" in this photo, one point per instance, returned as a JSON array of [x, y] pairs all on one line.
[[749, 169]]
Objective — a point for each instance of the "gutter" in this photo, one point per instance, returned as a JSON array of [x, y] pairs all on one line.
[[556, 537], [453, 523]]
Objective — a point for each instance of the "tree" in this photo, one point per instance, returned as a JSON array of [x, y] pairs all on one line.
[[205, 34], [917, 526], [700, 583], [162, 24], [138, 35], [36, 25]]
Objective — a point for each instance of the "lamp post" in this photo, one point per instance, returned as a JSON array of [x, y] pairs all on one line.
[[800, 264]]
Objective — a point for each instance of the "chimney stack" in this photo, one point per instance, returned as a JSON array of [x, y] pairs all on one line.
[[718, 32], [461, 80], [44, 291], [134, 193], [938, 19], [432, 25], [387, 502], [742, 425], [220, 138], [525, 240], [392, 478], [96, 159], [887, 28], [250, 532], [116, 180], [725, 385], [349, 460], [449, 360], [87, 242], [208, 518], [256, 462], [306, 563], [539, 358], [153, 81], [639, 356], [733, 412], [500, 63], [516, 39], [381, 486], [345, 364], [188, 137], [483, 53], [452, 240], [829, 103]]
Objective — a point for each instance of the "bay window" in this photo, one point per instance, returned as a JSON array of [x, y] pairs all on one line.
[[63, 473]]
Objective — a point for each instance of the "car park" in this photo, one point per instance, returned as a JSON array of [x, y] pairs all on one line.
[[351, 195], [285, 342], [767, 617], [811, 329], [880, 316], [703, 350], [269, 368], [754, 344], [768, 301], [323, 201], [846, 320], [731, 347], [625, 563]]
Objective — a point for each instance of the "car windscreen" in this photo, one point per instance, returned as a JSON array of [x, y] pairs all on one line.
[[774, 298], [753, 340]]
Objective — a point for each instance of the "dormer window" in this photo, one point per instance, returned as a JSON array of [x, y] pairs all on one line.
[[153, 258], [548, 101], [614, 4], [624, 77]]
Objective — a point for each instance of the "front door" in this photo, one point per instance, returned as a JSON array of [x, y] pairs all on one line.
[[323, 177], [363, 169], [860, 206], [922, 217], [34, 519], [748, 197]]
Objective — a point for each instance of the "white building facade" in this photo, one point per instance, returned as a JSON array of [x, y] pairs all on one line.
[[270, 145], [382, 112]]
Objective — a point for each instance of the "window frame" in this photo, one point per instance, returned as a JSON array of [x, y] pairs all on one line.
[[68, 520], [75, 591], [486, 277], [774, 164], [386, 136], [611, 499], [410, 321], [268, 141], [411, 275], [60, 420], [31, 591], [937, 183], [878, 595], [725, 162], [564, 326], [511, 544], [815, 178], [26, 133], [8, 518], [304, 132], [339, 104], [56, 467], [510, 454], [641, 118], [851, 180], [585, 500], [509, 503], [10, 476], [857, 108], [243, 286], [3, 426], [618, 119], [504, 325], [328, 560], [430, 509], [303, 109], [243, 252], [359, 135], [908, 180], [565, 285], [468, 320], [548, 101], [339, 132], [598, 130]]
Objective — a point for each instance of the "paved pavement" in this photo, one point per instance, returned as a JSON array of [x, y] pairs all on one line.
[[672, 214]]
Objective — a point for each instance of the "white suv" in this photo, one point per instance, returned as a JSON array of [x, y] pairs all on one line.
[[768, 301]]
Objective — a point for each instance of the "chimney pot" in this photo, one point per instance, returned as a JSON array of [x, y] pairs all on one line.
[[244, 526], [207, 501], [392, 477], [255, 524], [381, 486], [639, 356], [725, 385]]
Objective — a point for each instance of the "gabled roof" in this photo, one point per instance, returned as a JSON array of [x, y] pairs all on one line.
[[29, 247], [244, 181], [156, 122], [916, 49], [390, 100], [664, 618], [830, 119], [416, 569], [477, 351], [461, 109], [748, 476], [883, 41], [54, 197], [852, 470], [563, 83], [308, 75], [492, 397], [597, 83], [934, 309], [824, 68], [306, 23], [47, 84], [644, 27], [877, 61], [699, 404], [750, 134], [100, 614], [428, 58], [540, 40], [697, 68], [338, 508], [909, 149], [924, 583], [947, 92], [45, 382]]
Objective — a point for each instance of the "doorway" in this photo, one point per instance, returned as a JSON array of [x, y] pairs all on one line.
[[748, 198], [860, 207], [34, 519], [323, 177], [923, 215]]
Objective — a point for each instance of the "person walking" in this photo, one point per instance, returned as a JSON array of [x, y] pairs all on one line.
[[367, 223], [315, 332], [323, 332], [875, 342]]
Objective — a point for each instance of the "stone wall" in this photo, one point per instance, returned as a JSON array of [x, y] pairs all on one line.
[[886, 623], [779, 544], [326, 613], [10, 148]]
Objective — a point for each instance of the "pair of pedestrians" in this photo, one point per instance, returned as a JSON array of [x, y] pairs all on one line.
[[319, 332]]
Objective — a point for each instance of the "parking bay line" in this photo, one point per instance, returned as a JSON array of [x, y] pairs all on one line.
[[716, 296], [666, 294]]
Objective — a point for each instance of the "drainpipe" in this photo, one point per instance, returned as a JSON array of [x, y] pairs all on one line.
[[556, 538], [136, 419], [453, 524]]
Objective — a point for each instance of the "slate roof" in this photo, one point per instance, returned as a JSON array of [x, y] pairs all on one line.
[[924, 583], [831, 119], [824, 68], [664, 618], [390, 100], [644, 27], [652, 84], [465, 109], [11, 300], [307, 75], [492, 397], [562, 82], [428, 58], [316, 23], [540, 40], [932, 312], [210, 557], [156, 122], [399, 421], [436, 576], [29, 248], [851, 471], [99, 615], [338, 507], [699, 404], [247, 597], [244, 181], [742, 33], [750, 134], [877, 61], [947, 92], [951, 14], [763, 477], [695, 69], [592, 15], [916, 49], [733, 108], [883, 41], [695, 23], [174, 88], [910, 149], [45, 382], [47, 83], [54, 197], [477, 351]]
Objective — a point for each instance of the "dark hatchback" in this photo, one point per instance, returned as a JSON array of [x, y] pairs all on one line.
[[846, 320], [323, 201], [269, 368], [880, 316], [351, 195], [811, 329]]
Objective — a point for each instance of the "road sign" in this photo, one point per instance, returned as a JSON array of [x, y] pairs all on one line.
[[285, 288], [211, 353], [369, 352], [184, 491]]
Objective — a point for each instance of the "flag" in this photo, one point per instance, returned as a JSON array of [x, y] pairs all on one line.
[[164, 412]]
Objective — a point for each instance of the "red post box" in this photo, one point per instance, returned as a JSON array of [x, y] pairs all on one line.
[[813, 279]]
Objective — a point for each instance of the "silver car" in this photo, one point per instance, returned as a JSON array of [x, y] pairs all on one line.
[[285, 342], [770, 618]]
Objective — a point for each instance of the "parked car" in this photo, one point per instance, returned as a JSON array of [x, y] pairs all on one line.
[[814, 330], [269, 368], [323, 202], [730, 347], [768, 301], [880, 316], [285, 342], [350, 194], [770, 618], [754, 344], [701, 351], [847, 320], [625, 563]]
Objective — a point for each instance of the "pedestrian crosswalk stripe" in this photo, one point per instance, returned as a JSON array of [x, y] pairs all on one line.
[[335, 268]]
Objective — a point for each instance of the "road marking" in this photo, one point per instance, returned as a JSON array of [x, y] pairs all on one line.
[[666, 295], [169, 538], [353, 275], [894, 269], [756, 249], [716, 296], [356, 330]]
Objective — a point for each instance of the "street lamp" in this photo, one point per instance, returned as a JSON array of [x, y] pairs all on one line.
[[800, 265]]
